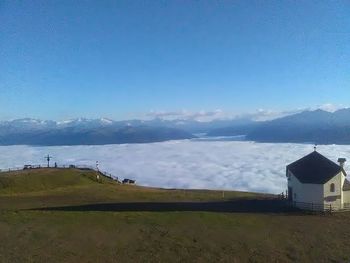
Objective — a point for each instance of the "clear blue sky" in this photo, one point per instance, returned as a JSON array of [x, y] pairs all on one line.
[[116, 59]]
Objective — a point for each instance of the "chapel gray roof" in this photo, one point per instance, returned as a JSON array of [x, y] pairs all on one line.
[[314, 168]]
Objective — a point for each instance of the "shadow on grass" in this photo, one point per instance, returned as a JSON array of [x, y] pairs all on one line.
[[236, 206]]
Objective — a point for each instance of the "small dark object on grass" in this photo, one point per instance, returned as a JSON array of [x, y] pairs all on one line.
[[128, 181]]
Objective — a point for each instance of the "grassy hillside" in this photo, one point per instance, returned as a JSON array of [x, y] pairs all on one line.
[[108, 222], [43, 180], [63, 187]]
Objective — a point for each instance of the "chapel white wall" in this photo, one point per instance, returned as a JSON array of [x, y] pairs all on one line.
[[306, 193]]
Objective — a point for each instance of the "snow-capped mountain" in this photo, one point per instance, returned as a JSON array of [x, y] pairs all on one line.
[[84, 131], [103, 130], [308, 126]]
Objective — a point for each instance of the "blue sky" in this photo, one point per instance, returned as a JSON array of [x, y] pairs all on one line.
[[122, 59]]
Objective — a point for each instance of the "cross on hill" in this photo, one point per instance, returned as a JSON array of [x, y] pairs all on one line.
[[48, 158]]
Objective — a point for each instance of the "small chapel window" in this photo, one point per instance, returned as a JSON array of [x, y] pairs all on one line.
[[332, 188]]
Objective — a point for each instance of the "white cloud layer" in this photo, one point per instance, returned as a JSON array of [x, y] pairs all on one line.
[[330, 107], [245, 166]]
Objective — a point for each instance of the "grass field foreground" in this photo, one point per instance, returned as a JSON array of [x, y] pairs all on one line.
[[32, 235]]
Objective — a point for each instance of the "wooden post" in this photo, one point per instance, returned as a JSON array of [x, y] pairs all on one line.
[[97, 172]]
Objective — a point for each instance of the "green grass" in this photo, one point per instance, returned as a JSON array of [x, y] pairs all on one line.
[[43, 180], [62, 187], [90, 236]]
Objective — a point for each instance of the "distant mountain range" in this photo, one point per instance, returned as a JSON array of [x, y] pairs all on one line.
[[317, 126], [103, 131], [85, 132], [320, 127]]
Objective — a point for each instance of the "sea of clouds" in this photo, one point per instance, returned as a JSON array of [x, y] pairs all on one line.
[[231, 165]]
